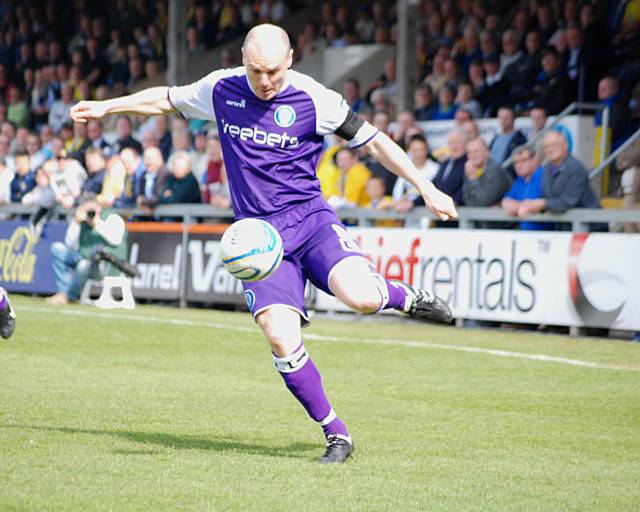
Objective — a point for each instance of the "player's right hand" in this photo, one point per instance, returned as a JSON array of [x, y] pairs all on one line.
[[88, 110], [440, 204]]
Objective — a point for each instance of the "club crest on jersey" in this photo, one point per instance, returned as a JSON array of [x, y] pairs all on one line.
[[284, 116], [250, 297]]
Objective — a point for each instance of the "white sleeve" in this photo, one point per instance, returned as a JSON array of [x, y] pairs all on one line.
[[196, 100], [112, 229], [332, 111]]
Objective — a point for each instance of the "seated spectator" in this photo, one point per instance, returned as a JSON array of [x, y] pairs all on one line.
[[6, 177], [133, 172], [424, 102], [538, 117], [181, 186], [450, 176], [494, 88], [34, 148], [522, 74], [344, 186], [113, 184], [629, 164], [18, 111], [485, 182], [404, 122], [74, 260], [67, 176], [565, 182], [465, 100], [510, 53], [42, 186], [24, 180], [437, 78], [444, 108], [404, 194], [526, 187], [552, 90], [125, 138], [214, 185], [351, 92], [96, 138], [199, 157], [96, 171], [59, 113], [153, 180], [376, 191], [80, 142], [609, 95], [508, 138]]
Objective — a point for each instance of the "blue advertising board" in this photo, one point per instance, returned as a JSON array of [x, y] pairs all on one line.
[[26, 263]]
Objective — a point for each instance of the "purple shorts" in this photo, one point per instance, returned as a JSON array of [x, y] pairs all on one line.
[[314, 242]]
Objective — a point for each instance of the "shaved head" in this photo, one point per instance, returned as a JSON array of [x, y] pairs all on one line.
[[267, 39], [266, 55]]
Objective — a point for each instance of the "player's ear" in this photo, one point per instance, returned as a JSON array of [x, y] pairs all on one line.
[[242, 52], [290, 58]]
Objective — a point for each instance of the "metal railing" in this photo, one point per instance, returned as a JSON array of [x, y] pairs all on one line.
[[578, 218], [598, 170]]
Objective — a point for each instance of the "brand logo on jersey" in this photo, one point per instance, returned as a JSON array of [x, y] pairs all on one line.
[[284, 116], [271, 139], [238, 104]]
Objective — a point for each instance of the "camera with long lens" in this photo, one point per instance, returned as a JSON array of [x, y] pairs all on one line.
[[122, 265]]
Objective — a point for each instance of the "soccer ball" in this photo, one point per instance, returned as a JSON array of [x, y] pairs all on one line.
[[251, 249]]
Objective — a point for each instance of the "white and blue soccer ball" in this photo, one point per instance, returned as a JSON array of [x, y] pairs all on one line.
[[251, 249]]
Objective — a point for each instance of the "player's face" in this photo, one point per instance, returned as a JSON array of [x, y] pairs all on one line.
[[266, 74]]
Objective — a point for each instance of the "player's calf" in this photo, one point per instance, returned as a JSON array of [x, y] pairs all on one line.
[[7, 316]]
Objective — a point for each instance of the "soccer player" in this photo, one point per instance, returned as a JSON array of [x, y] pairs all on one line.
[[271, 122], [7, 316]]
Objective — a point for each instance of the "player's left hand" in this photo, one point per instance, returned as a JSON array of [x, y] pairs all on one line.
[[440, 204]]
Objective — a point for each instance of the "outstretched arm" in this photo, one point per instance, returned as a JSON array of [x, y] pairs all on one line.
[[389, 154], [148, 102]]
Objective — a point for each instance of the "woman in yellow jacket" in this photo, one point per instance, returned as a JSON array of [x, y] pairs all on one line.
[[343, 179]]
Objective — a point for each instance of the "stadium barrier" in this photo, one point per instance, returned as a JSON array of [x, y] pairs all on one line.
[[575, 279]]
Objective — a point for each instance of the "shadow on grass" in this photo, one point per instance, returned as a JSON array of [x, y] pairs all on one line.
[[184, 442]]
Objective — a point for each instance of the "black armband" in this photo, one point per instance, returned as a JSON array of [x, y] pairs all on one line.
[[352, 123]]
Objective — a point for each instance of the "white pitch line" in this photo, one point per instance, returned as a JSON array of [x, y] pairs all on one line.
[[334, 339]]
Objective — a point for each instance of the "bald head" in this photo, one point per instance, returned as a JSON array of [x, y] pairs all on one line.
[[266, 55], [266, 39]]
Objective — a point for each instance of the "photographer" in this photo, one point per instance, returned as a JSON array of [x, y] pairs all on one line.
[[91, 238]]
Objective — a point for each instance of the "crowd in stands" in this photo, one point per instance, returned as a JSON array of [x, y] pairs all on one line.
[[474, 59]]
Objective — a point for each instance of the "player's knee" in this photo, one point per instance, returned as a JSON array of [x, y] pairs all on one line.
[[282, 337], [364, 303], [58, 249]]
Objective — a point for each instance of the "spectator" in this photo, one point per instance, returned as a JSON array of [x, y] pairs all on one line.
[[485, 182], [450, 175], [609, 96], [59, 113], [181, 185], [351, 92], [74, 261], [578, 62], [545, 24], [97, 67], [467, 50], [565, 182], [95, 137], [42, 186], [6, 177], [552, 90], [79, 144], [134, 170], [215, 189], [18, 110], [96, 170], [154, 178], [510, 52], [24, 179], [163, 135], [538, 117], [437, 78], [344, 186], [526, 187], [509, 138], [445, 108], [404, 122], [113, 183], [33, 147], [493, 90], [629, 164], [376, 189], [465, 100], [125, 137], [522, 74], [404, 194], [424, 102]]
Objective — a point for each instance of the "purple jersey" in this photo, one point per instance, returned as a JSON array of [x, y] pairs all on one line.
[[270, 148]]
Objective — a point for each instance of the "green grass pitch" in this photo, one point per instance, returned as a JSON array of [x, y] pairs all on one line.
[[165, 409]]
